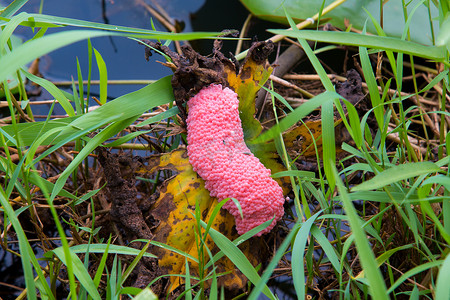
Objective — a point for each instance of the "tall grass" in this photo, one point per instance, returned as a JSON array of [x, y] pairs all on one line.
[[379, 227]]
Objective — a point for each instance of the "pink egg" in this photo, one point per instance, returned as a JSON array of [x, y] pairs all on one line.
[[218, 153]]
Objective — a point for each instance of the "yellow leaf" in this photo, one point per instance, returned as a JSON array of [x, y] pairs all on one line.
[[174, 210]]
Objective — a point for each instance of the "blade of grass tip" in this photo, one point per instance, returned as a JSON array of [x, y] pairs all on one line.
[[213, 293], [187, 285], [354, 128], [238, 258], [103, 76], [371, 85], [376, 283], [161, 116], [414, 293], [78, 101], [102, 264], [81, 87], [112, 280], [442, 287], [298, 252], [396, 174]]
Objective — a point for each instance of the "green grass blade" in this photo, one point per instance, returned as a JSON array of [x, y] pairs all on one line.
[[372, 86], [159, 92], [79, 271], [135, 261], [443, 38], [375, 280], [146, 294], [442, 284], [237, 257], [33, 49], [274, 262], [103, 76], [298, 252], [326, 247], [122, 140], [53, 90], [368, 41], [12, 8], [101, 248], [26, 252], [240, 240], [299, 113], [105, 134], [397, 173]]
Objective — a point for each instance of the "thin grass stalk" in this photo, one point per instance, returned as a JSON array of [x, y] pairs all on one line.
[[287, 163]]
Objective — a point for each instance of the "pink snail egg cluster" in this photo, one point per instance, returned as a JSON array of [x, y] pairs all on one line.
[[218, 153]]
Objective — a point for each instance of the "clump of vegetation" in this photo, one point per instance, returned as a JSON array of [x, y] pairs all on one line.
[[363, 159]]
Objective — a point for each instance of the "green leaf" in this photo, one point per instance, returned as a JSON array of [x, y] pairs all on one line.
[[397, 173]]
